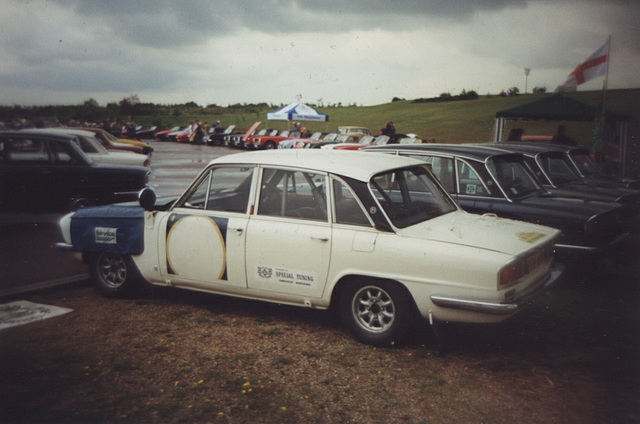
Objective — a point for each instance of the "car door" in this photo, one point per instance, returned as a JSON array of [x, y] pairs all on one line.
[[289, 237], [201, 240]]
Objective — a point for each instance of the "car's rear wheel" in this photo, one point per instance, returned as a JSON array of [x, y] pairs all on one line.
[[376, 313], [113, 274], [270, 145]]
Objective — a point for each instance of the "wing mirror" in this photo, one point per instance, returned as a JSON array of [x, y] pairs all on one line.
[[147, 198]]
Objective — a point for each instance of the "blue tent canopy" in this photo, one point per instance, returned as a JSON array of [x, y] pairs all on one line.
[[297, 112]]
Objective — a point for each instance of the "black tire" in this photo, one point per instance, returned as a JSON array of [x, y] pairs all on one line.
[[378, 313], [114, 275], [270, 145]]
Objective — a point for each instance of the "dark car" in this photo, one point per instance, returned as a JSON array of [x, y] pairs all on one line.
[[216, 136], [49, 173], [484, 180], [556, 173], [585, 167], [143, 133]]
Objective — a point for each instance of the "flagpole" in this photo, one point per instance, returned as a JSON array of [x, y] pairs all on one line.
[[598, 124]]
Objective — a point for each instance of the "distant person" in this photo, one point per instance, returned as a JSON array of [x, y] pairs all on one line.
[[388, 129], [131, 127], [296, 126], [198, 133], [562, 138], [116, 128]]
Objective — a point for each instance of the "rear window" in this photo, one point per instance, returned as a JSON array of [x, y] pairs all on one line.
[[410, 196]]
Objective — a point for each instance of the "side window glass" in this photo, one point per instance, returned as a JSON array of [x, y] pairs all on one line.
[[293, 194], [442, 168], [26, 151], [60, 154], [347, 208], [230, 188], [469, 181], [224, 189], [87, 146]]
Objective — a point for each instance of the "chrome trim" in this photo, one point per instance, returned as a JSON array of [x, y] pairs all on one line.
[[499, 308], [594, 249]]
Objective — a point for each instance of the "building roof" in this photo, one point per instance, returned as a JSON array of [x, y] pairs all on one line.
[[556, 107]]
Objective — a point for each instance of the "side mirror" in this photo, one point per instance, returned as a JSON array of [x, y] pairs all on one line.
[[147, 198]]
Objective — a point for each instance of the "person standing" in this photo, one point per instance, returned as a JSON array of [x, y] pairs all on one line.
[[388, 129], [131, 127], [562, 138]]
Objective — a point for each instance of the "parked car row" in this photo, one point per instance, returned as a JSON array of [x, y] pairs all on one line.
[[48, 171], [462, 233], [501, 179]]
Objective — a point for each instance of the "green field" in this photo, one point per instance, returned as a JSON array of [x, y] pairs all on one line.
[[447, 122]]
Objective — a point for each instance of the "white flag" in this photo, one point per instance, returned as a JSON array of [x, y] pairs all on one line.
[[595, 66]]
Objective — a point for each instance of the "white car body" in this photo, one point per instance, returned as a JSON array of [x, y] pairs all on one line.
[[88, 143], [448, 265]]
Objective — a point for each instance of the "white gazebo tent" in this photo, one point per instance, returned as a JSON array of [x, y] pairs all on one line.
[[297, 112]]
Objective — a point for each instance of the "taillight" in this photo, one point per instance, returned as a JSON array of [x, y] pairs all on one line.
[[510, 273]]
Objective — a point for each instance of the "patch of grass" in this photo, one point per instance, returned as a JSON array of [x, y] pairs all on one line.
[[276, 331]]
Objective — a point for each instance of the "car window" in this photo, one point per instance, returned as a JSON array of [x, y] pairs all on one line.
[[223, 189], [61, 153], [293, 194], [512, 176], [410, 196], [584, 163], [468, 180], [557, 168], [347, 209], [25, 151], [442, 168]]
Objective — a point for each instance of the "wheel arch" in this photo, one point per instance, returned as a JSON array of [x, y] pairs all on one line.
[[350, 279]]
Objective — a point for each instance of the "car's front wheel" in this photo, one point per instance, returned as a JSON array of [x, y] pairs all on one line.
[[377, 313], [113, 274]]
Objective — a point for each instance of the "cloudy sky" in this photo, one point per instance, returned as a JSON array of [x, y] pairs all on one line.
[[361, 52]]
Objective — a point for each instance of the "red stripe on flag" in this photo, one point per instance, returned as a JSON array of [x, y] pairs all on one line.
[[579, 71]]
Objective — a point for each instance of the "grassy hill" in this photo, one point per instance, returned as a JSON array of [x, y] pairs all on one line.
[[447, 122]]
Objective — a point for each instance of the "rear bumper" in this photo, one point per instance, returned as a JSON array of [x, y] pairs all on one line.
[[506, 308]]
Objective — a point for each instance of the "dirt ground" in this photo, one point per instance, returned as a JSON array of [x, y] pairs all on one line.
[[172, 356]]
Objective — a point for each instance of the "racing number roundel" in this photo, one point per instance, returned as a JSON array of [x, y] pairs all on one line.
[[195, 248]]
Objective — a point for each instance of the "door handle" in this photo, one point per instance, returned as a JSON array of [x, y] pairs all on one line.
[[325, 239], [237, 230]]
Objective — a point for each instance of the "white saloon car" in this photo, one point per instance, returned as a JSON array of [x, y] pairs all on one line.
[[376, 237], [92, 147]]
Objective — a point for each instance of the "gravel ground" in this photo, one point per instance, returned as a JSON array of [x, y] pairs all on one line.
[[172, 356]]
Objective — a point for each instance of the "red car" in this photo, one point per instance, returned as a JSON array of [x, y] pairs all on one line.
[[270, 141], [164, 135]]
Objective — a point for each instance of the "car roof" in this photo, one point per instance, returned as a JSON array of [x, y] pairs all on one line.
[[37, 133], [345, 163], [64, 130], [548, 146], [469, 151], [526, 149]]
